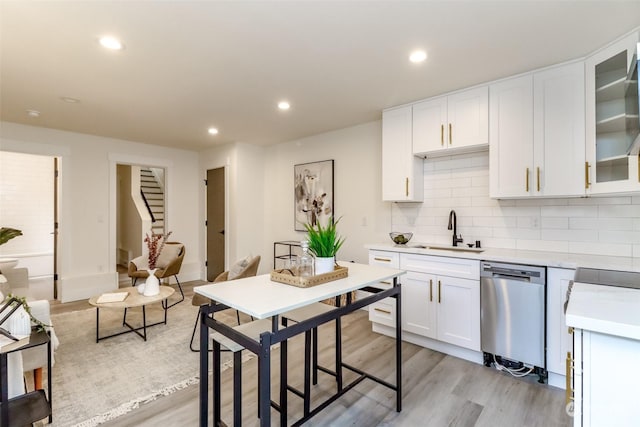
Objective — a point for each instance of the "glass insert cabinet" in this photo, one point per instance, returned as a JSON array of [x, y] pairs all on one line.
[[612, 119]]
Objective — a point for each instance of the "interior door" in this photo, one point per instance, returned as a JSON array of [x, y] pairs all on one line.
[[215, 222]]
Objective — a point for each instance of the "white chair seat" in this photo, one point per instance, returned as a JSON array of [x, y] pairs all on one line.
[[251, 329]]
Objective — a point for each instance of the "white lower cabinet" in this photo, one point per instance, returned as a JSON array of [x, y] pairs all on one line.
[[440, 300], [606, 388], [459, 312], [558, 337], [384, 311]]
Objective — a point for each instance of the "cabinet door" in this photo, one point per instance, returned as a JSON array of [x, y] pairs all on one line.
[[559, 131], [558, 337], [611, 169], [418, 310], [429, 123], [401, 171], [511, 136], [468, 118], [458, 308]]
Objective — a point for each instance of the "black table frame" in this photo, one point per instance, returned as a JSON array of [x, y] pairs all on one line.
[[263, 350], [7, 406], [133, 329]]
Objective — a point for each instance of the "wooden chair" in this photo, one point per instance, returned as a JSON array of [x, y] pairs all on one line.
[[250, 270], [167, 267]]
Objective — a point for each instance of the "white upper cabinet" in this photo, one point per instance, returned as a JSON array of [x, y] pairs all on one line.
[[454, 123], [402, 176], [611, 115], [537, 134], [559, 131], [511, 131]]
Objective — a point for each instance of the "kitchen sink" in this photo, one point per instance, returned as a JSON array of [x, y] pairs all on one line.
[[449, 248]]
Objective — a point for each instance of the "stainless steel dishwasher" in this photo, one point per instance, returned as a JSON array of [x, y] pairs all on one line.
[[512, 315]]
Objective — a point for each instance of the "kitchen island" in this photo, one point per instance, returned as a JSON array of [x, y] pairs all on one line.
[[606, 381], [261, 298]]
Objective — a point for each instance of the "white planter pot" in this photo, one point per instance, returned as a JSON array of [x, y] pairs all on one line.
[[324, 265], [152, 285]]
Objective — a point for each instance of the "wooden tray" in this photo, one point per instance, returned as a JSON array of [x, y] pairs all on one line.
[[306, 282]]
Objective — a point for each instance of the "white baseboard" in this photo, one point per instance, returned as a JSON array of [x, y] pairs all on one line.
[[84, 287], [450, 349]]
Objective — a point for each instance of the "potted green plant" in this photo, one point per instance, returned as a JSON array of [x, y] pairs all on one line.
[[324, 243]]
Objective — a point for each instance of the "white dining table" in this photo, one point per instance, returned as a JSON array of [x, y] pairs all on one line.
[[262, 298]]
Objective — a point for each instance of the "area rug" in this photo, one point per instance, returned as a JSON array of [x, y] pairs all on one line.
[[95, 382]]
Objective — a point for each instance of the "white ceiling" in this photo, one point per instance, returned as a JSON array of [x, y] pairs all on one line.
[[189, 65]]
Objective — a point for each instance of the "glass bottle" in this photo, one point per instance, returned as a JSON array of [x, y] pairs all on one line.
[[306, 261]]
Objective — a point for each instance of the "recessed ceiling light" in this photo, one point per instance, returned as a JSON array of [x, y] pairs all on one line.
[[69, 99], [33, 113], [213, 131], [284, 105], [418, 56], [111, 43]]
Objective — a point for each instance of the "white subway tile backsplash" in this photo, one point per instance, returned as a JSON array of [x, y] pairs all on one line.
[[594, 248], [542, 245], [569, 211], [554, 222], [631, 237], [613, 211], [570, 235], [598, 225]]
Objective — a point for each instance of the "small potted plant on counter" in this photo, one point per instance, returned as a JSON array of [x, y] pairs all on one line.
[[324, 243]]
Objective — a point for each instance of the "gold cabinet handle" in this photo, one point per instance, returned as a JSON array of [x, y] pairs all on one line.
[[406, 186], [442, 135], [384, 282], [439, 292], [381, 310], [568, 393], [430, 289], [526, 181], [382, 259], [450, 134], [586, 175], [538, 179]]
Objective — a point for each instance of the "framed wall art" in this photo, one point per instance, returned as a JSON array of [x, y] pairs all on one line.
[[313, 193]]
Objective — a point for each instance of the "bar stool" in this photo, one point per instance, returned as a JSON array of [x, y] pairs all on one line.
[[252, 330], [311, 346]]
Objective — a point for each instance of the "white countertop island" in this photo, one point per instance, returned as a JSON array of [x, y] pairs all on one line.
[[605, 309]]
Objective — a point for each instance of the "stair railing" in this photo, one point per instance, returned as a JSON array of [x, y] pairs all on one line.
[[146, 203]]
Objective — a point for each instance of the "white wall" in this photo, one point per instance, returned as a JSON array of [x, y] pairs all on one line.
[[87, 246], [598, 225], [356, 152]]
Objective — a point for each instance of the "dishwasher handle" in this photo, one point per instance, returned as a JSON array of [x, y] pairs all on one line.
[[519, 278]]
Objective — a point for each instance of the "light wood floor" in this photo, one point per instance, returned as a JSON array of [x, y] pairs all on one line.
[[438, 390]]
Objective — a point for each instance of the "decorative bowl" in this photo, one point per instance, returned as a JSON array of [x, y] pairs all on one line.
[[400, 238]]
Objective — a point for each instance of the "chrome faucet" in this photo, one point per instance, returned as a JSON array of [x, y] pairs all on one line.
[[452, 226]]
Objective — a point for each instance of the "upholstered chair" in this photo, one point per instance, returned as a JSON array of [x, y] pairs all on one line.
[[168, 264], [246, 267]]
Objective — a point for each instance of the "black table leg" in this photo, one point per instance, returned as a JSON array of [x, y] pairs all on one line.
[[97, 324], [204, 371], [4, 391], [144, 322], [307, 372], [217, 416], [237, 388], [398, 348], [49, 382], [283, 379], [264, 376]]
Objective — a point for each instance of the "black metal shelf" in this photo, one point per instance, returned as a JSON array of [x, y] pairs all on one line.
[[27, 408]]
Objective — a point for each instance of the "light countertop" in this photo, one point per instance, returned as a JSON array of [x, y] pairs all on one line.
[[605, 309], [549, 259]]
